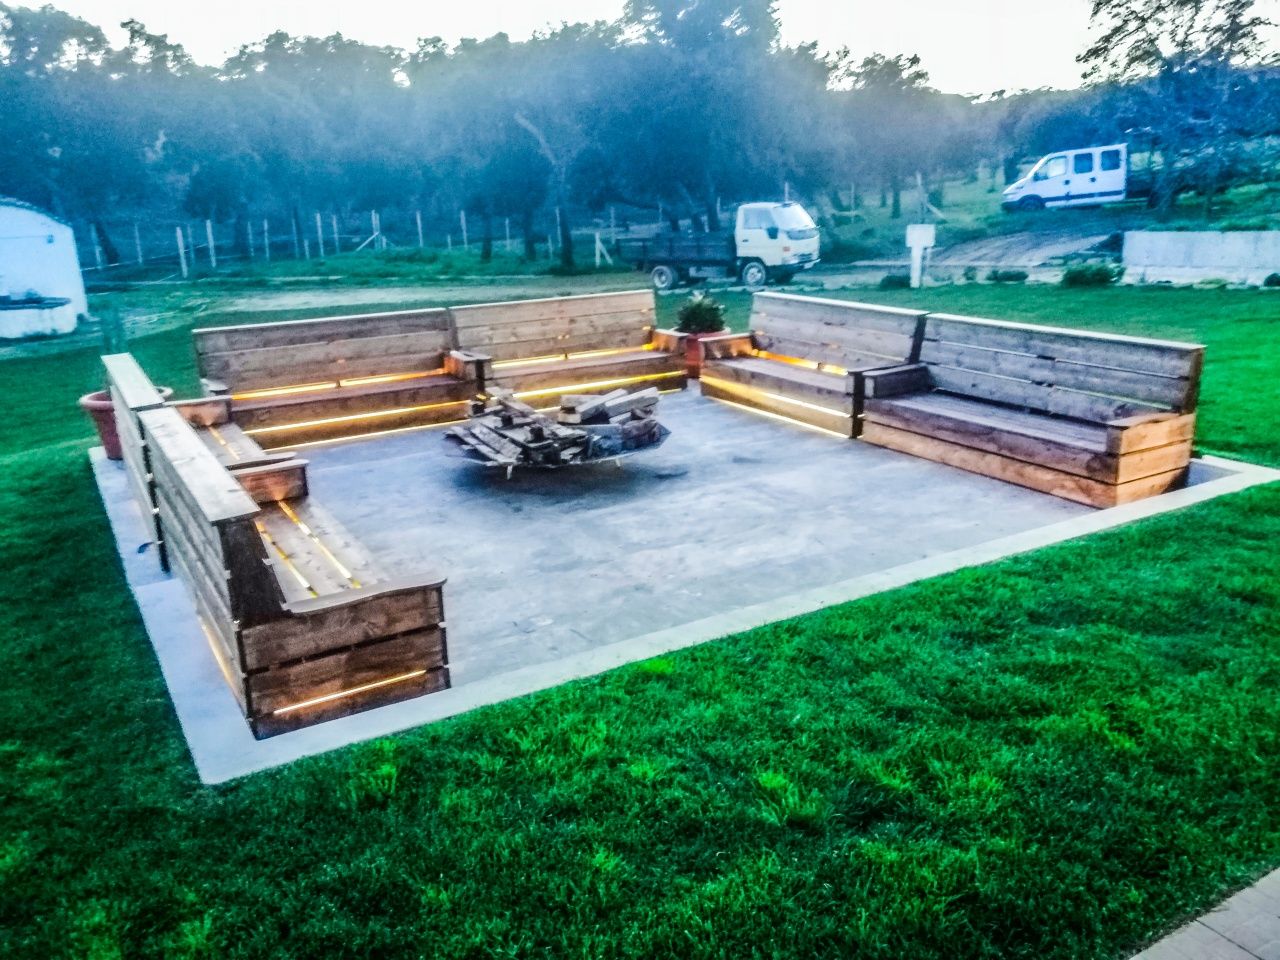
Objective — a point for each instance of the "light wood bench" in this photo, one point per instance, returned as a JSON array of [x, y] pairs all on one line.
[[303, 380], [132, 392], [583, 344], [302, 621], [1091, 417], [805, 357]]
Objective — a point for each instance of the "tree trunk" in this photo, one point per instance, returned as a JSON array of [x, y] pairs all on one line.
[[566, 239], [109, 252], [884, 197], [526, 228], [895, 187], [486, 244], [1010, 164]]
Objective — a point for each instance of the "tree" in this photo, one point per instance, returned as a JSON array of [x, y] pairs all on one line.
[[1190, 69]]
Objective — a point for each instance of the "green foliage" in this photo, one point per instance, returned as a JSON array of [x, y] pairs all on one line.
[[986, 764], [700, 314], [1007, 276], [1091, 275], [895, 281]]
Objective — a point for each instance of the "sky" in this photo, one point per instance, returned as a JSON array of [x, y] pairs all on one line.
[[968, 46]]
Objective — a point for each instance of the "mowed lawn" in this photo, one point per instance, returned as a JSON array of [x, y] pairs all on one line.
[[1059, 755]]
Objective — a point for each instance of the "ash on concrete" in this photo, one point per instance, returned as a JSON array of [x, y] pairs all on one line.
[[733, 509]]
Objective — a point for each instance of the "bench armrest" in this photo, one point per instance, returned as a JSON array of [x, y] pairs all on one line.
[[725, 345], [669, 341], [895, 381], [214, 388], [282, 479], [204, 411], [468, 365], [1145, 430]]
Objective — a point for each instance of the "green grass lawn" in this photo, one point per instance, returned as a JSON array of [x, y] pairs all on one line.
[[1060, 755]]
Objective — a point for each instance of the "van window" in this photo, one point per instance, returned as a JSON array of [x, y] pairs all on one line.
[[1082, 163], [1110, 159], [1053, 167]]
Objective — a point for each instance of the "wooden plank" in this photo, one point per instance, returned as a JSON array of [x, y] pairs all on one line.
[[338, 541], [1164, 357], [842, 350], [204, 411], [835, 420], [896, 381], [300, 563], [788, 379], [269, 725], [864, 316], [1058, 483], [572, 376], [1167, 392], [272, 482], [727, 345], [351, 618], [1141, 432], [283, 433], [256, 597], [626, 303], [346, 401], [251, 336], [669, 341], [1022, 393], [171, 440], [647, 397], [344, 670], [130, 382]]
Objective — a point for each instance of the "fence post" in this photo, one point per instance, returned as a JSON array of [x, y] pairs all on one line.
[[417, 215], [293, 226], [266, 241], [462, 218], [213, 252], [306, 249], [551, 248], [508, 234], [448, 242], [319, 233], [97, 244], [182, 252], [333, 222], [248, 232], [137, 242]]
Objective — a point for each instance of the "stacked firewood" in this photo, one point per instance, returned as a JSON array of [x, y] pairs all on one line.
[[506, 432]]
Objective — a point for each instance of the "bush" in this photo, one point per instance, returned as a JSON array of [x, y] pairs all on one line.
[[895, 281], [970, 274], [1091, 275], [701, 314], [1007, 276], [1273, 280]]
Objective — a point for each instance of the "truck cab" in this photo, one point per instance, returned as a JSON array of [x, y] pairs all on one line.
[[1084, 176], [773, 241]]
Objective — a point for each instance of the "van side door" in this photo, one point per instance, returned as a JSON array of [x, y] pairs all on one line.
[[1113, 174], [1051, 179]]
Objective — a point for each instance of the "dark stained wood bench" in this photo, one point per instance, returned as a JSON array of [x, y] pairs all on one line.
[[304, 624], [584, 344], [1096, 418], [805, 357], [304, 380]]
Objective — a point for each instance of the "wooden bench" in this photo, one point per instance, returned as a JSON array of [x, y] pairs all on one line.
[[1096, 418], [304, 624], [132, 392], [805, 357], [305, 380], [584, 344]]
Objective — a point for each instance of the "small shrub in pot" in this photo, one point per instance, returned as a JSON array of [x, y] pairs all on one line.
[[700, 314]]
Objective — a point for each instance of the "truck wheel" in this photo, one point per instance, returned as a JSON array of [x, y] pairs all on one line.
[[1031, 203], [753, 275], [664, 277]]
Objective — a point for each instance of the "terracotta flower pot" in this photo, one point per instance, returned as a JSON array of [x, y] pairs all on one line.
[[693, 352], [99, 407]]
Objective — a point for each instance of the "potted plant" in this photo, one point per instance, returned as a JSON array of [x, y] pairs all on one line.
[[699, 317]]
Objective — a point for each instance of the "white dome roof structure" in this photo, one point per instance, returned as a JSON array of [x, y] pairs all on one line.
[[41, 289]]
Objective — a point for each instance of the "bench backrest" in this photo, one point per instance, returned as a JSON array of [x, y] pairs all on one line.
[[324, 350], [837, 333], [526, 329], [132, 392], [1096, 377]]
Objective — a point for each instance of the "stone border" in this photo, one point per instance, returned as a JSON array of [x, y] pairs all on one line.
[[223, 748]]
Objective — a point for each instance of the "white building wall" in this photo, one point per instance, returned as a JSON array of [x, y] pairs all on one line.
[[1244, 256], [38, 253]]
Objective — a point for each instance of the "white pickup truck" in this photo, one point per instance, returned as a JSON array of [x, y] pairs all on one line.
[[769, 242]]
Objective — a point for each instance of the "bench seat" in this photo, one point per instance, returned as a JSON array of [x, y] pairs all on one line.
[[817, 397], [805, 356]]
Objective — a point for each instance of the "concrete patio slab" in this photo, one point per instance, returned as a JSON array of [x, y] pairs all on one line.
[[735, 522], [1243, 927]]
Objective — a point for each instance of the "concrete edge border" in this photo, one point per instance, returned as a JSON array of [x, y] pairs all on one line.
[[250, 756]]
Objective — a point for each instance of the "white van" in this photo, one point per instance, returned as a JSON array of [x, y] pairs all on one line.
[[1086, 176]]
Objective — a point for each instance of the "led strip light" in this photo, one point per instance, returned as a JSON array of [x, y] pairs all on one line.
[[328, 697]]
